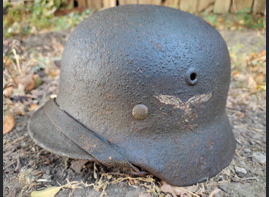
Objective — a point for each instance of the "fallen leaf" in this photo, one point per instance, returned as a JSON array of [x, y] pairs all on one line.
[[53, 72], [48, 192], [32, 107], [180, 191], [251, 82], [261, 87], [240, 115], [131, 181], [8, 123], [169, 189], [263, 53], [235, 73], [8, 91], [29, 82], [6, 61], [260, 78]]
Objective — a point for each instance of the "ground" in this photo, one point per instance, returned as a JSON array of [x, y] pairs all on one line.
[[27, 167]]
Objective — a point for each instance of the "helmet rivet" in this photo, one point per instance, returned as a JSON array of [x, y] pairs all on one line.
[[140, 112]]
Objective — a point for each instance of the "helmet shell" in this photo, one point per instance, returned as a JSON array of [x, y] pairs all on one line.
[[152, 81]]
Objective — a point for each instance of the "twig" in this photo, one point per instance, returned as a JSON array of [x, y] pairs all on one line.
[[16, 140], [237, 152], [17, 61], [254, 129], [249, 178], [9, 165], [18, 165]]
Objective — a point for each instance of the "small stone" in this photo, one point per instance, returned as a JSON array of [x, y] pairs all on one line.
[[223, 187], [259, 157], [241, 172], [218, 195], [247, 150], [252, 142], [133, 193]]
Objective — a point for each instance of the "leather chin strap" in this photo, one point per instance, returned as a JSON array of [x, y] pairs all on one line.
[[86, 139]]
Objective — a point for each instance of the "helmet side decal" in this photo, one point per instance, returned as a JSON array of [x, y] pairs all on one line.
[[179, 104]]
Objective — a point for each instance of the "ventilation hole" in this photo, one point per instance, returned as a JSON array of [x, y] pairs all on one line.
[[193, 76], [75, 3]]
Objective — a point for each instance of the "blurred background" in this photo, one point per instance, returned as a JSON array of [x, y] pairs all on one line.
[[24, 17], [34, 34]]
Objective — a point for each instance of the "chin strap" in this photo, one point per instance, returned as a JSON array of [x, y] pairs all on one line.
[[88, 140]]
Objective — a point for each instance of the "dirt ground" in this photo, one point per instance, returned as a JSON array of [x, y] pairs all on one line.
[[27, 167]]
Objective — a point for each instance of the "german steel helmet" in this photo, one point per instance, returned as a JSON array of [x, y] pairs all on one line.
[[143, 88]]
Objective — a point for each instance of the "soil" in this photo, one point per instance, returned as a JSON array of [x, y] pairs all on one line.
[[27, 167]]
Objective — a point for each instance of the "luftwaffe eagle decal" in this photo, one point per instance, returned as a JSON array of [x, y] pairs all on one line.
[[179, 104]]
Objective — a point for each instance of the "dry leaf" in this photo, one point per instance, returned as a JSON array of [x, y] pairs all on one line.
[[260, 78], [8, 123], [131, 181], [166, 188], [32, 107], [263, 53], [251, 82], [6, 61], [53, 72], [48, 192], [235, 73], [261, 87], [180, 191], [27, 81], [8, 91]]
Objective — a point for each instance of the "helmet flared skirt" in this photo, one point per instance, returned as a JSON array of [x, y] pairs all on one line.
[[182, 160]]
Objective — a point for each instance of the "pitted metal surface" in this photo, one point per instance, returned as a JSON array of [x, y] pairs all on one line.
[[152, 82]]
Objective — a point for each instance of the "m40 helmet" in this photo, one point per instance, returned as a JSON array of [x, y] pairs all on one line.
[[142, 87]]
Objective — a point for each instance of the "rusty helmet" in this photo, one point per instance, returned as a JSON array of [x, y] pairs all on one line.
[[143, 88]]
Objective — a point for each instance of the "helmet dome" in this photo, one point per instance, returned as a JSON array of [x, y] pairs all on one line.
[[150, 82]]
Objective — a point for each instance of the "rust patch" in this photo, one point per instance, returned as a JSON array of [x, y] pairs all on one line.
[[158, 46]]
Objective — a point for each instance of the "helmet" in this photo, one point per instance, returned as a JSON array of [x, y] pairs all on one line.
[[142, 87]]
